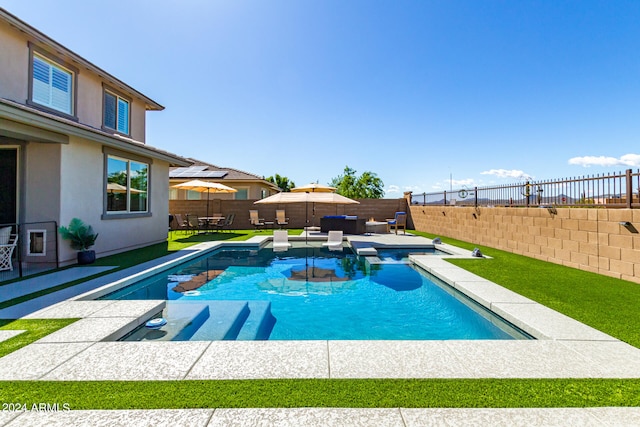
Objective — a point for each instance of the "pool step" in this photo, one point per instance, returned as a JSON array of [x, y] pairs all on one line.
[[211, 321], [183, 320], [260, 322], [226, 320]]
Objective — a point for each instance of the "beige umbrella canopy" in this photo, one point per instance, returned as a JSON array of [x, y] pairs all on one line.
[[205, 186], [306, 197], [314, 187]]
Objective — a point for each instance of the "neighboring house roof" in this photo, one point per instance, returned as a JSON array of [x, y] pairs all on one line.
[[61, 50], [17, 120], [204, 170]]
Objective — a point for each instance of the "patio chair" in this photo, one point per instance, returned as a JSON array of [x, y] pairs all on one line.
[[6, 251], [399, 221], [255, 220], [227, 223], [179, 223], [192, 223], [334, 240], [281, 241], [280, 218]]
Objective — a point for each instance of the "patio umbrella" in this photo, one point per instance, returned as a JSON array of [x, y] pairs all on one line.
[[314, 187], [306, 197], [202, 186]]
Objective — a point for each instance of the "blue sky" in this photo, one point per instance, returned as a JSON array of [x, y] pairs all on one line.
[[426, 94]]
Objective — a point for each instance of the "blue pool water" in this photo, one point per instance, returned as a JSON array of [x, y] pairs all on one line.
[[317, 294]]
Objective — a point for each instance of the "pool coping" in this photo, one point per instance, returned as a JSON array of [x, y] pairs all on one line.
[[564, 348]]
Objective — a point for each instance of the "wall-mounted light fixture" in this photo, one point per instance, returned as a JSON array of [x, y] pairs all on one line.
[[444, 213], [629, 226], [474, 216]]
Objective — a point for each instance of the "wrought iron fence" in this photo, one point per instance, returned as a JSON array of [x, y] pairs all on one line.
[[36, 249], [614, 190]]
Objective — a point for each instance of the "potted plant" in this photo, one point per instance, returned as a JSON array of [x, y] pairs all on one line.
[[81, 237]]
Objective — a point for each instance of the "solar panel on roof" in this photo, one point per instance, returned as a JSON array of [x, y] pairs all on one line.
[[196, 172]]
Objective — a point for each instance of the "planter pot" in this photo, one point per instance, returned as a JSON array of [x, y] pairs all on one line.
[[86, 257]]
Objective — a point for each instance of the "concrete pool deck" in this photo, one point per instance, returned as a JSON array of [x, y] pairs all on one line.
[[564, 348]]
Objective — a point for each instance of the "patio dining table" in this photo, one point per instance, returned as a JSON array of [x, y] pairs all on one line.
[[210, 220]]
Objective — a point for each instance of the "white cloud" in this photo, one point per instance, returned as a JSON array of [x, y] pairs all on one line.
[[587, 161], [392, 189], [460, 182], [503, 173]]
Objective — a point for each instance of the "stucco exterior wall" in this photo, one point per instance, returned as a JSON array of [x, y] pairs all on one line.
[[81, 196], [14, 62], [588, 239], [42, 171]]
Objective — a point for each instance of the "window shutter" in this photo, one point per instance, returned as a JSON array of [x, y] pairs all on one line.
[[123, 116], [52, 85], [41, 73], [109, 110], [61, 90]]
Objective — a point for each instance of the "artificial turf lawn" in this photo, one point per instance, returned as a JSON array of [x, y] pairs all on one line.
[[34, 330], [348, 393], [604, 303]]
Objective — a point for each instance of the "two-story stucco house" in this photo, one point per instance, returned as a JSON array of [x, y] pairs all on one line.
[[72, 144]]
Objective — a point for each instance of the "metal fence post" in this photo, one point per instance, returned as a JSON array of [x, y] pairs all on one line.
[[629, 188]]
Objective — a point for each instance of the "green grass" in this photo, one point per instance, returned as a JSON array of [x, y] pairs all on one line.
[[367, 393], [34, 330], [605, 303], [602, 302]]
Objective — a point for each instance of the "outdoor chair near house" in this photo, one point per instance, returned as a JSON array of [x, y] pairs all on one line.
[[193, 224], [255, 220], [398, 221], [334, 240], [226, 223], [8, 243], [281, 241], [281, 218], [179, 223]]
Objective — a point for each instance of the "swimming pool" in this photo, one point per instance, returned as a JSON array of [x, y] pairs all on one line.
[[309, 293]]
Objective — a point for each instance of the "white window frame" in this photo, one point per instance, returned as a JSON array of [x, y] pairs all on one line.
[[51, 102]]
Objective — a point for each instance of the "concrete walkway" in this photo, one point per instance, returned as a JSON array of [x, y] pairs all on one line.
[[347, 417], [564, 348]]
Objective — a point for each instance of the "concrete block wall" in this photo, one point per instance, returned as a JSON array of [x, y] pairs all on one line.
[[588, 239], [378, 209]]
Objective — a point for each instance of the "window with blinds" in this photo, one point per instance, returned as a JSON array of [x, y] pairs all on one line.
[[116, 112], [52, 85]]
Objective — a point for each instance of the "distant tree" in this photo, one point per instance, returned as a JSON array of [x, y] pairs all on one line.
[[366, 186], [282, 181]]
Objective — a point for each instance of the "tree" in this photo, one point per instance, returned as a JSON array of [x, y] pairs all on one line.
[[282, 181], [366, 186]]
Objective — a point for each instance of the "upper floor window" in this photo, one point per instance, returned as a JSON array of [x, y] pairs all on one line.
[[116, 112], [52, 84]]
